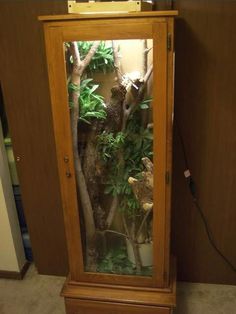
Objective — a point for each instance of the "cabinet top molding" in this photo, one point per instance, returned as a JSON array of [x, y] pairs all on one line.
[[70, 17]]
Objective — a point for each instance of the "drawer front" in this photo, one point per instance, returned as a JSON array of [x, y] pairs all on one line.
[[76, 306]]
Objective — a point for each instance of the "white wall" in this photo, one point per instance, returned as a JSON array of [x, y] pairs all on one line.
[[12, 257]]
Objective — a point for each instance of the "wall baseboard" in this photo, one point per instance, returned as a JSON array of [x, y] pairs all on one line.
[[14, 274]]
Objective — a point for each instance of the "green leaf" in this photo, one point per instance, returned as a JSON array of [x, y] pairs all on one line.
[[91, 104], [95, 114], [93, 88], [144, 106], [73, 87], [84, 120], [85, 82]]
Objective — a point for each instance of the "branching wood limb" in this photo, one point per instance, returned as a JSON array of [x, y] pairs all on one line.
[[90, 54], [112, 211], [148, 74], [117, 61], [115, 201], [134, 245], [125, 225], [129, 107], [118, 233], [148, 50], [145, 57], [77, 71], [127, 110], [142, 223]]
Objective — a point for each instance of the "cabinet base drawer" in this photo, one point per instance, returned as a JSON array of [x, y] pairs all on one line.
[[77, 306]]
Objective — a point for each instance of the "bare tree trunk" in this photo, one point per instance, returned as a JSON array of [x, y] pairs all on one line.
[[132, 99], [137, 258], [145, 59], [134, 244], [93, 171], [115, 201], [117, 62], [77, 71]]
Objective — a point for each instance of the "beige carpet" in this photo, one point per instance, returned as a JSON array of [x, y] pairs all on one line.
[[196, 298], [38, 294], [35, 294]]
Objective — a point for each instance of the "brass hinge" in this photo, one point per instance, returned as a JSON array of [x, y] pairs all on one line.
[[169, 42], [167, 177]]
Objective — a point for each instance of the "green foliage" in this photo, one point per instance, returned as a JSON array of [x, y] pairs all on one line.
[[116, 262], [91, 104], [110, 143], [145, 103], [139, 143], [130, 205], [122, 154], [102, 60]]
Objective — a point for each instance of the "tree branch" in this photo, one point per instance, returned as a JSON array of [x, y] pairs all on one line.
[[112, 211], [116, 232], [145, 54], [116, 62], [125, 226], [90, 54], [134, 245], [142, 223], [77, 71], [128, 108], [148, 74]]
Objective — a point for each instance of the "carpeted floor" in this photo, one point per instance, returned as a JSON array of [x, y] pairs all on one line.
[[198, 298], [38, 294], [35, 294]]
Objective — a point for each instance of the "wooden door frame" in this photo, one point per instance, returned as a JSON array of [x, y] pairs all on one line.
[[56, 33]]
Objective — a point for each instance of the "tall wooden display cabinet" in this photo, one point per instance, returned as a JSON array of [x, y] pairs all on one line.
[[111, 85]]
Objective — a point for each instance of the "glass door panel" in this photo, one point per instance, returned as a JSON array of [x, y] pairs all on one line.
[[110, 101]]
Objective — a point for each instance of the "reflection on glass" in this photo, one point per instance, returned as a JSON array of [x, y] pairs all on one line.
[[109, 88]]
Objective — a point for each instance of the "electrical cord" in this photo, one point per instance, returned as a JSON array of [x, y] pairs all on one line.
[[192, 188]]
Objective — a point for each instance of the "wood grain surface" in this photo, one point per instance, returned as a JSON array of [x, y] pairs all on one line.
[[76, 306], [58, 32], [205, 96], [24, 82]]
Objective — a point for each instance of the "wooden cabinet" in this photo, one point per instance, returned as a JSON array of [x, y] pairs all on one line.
[[111, 84], [76, 306]]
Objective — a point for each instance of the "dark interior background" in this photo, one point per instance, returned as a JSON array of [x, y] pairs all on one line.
[[205, 97]]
